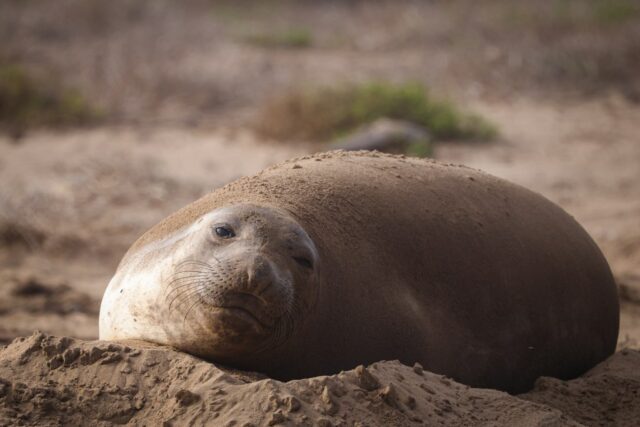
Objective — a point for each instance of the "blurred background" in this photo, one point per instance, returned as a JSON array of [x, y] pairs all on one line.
[[114, 114]]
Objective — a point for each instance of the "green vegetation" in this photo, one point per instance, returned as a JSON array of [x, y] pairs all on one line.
[[27, 102], [422, 148], [323, 114], [294, 38], [615, 12], [572, 15]]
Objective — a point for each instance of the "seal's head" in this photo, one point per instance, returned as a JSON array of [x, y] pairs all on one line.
[[227, 287]]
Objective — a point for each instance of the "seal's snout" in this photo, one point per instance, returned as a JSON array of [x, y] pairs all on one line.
[[268, 283], [259, 270]]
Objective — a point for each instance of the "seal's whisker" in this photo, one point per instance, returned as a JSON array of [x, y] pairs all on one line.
[[199, 300], [182, 273], [176, 285], [187, 299], [195, 269], [181, 290], [284, 325], [260, 293], [182, 278], [198, 286], [198, 289], [191, 261], [185, 273], [190, 272], [196, 263], [185, 294]]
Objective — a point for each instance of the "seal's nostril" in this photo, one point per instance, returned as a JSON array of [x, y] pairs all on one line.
[[305, 262], [259, 270]]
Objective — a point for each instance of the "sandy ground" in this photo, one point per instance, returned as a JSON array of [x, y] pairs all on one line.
[[88, 199], [179, 83], [61, 381]]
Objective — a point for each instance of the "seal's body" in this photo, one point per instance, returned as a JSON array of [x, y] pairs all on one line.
[[329, 261]]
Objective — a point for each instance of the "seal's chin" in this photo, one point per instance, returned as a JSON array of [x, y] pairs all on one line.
[[224, 333]]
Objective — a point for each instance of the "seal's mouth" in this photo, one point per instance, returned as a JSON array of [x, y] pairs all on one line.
[[242, 313], [246, 307]]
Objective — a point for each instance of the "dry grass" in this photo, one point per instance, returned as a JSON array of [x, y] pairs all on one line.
[[293, 38], [197, 61], [322, 114], [27, 102], [572, 16]]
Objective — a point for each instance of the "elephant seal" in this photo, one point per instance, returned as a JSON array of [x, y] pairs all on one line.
[[326, 262]]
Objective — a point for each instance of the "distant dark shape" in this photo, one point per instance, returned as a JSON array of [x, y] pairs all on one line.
[[389, 136]]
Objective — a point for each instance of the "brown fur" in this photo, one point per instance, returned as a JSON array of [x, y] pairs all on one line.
[[472, 276]]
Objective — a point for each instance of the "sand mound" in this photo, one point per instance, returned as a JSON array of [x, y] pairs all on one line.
[[608, 394], [46, 380]]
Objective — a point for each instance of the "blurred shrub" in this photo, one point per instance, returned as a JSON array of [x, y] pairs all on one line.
[[27, 102], [615, 12], [572, 15], [419, 149], [326, 113], [295, 38]]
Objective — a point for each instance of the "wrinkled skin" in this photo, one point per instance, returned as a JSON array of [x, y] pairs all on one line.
[[230, 285]]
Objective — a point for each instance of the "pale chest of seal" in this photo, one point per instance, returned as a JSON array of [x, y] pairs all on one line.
[[326, 262]]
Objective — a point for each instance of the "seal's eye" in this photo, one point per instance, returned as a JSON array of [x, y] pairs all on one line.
[[306, 263], [224, 231]]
